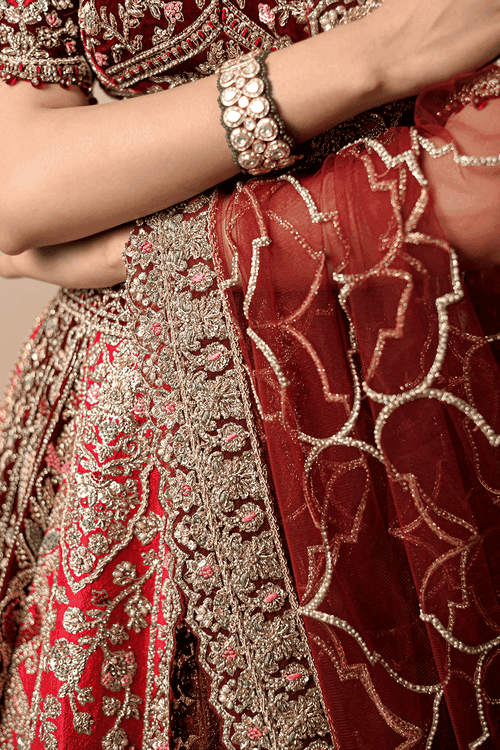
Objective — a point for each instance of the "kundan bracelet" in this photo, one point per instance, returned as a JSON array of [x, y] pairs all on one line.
[[255, 131]]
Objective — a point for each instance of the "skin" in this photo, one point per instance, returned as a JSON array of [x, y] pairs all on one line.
[[141, 155], [466, 200]]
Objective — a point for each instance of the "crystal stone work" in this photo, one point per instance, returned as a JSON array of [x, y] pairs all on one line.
[[253, 88], [269, 164], [259, 106], [250, 69], [240, 138], [226, 78], [267, 129], [248, 160], [233, 116], [229, 96], [328, 20], [277, 150]]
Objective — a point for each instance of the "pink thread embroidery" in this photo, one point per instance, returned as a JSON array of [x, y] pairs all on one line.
[[156, 328], [270, 597], [229, 653], [206, 571], [52, 19], [102, 59], [24, 4], [266, 15], [254, 733], [140, 406], [16, 703], [173, 11], [250, 517]]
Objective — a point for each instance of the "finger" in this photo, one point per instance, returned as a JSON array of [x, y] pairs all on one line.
[[9, 267], [29, 265]]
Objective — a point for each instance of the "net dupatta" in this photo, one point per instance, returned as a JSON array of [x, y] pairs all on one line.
[[374, 365]]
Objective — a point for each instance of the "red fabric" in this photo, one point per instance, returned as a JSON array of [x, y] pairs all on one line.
[[138, 47], [352, 302]]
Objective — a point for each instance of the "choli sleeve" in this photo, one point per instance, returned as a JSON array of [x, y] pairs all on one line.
[[40, 42]]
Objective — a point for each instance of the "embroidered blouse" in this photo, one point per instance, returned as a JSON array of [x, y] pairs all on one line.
[[141, 45]]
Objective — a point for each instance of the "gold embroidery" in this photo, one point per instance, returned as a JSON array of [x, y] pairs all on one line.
[[24, 54], [242, 651]]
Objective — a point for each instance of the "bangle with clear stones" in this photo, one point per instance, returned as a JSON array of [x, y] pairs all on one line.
[[255, 132]]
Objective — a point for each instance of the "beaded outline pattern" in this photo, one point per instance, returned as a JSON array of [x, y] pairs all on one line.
[[408, 162]]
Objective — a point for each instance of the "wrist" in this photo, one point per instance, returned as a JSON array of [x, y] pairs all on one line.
[[336, 76], [385, 68]]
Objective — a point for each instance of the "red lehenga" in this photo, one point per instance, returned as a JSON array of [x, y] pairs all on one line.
[[250, 498]]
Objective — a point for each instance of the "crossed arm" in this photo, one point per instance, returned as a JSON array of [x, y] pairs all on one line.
[[123, 160]]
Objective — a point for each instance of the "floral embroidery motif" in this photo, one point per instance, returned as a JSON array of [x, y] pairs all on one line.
[[187, 532], [154, 382], [50, 53], [247, 641]]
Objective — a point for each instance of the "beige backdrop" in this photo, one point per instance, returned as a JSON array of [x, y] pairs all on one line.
[[21, 300]]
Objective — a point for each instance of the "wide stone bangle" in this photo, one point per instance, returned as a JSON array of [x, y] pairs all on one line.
[[255, 131]]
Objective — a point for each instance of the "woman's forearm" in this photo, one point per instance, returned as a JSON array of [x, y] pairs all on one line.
[[69, 171], [72, 171], [92, 262], [465, 201]]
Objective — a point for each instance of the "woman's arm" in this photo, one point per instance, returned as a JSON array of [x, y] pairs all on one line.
[[70, 171], [465, 200], [90, 263]]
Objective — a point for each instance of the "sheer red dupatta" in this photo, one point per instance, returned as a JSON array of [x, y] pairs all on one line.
[[374, 367]]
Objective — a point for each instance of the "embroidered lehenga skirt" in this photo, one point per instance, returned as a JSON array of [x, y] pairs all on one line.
[[251, 497]]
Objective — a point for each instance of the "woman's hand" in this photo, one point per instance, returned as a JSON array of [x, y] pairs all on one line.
[[92, 263], [119, 161], [466, 200], [425, 42]]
